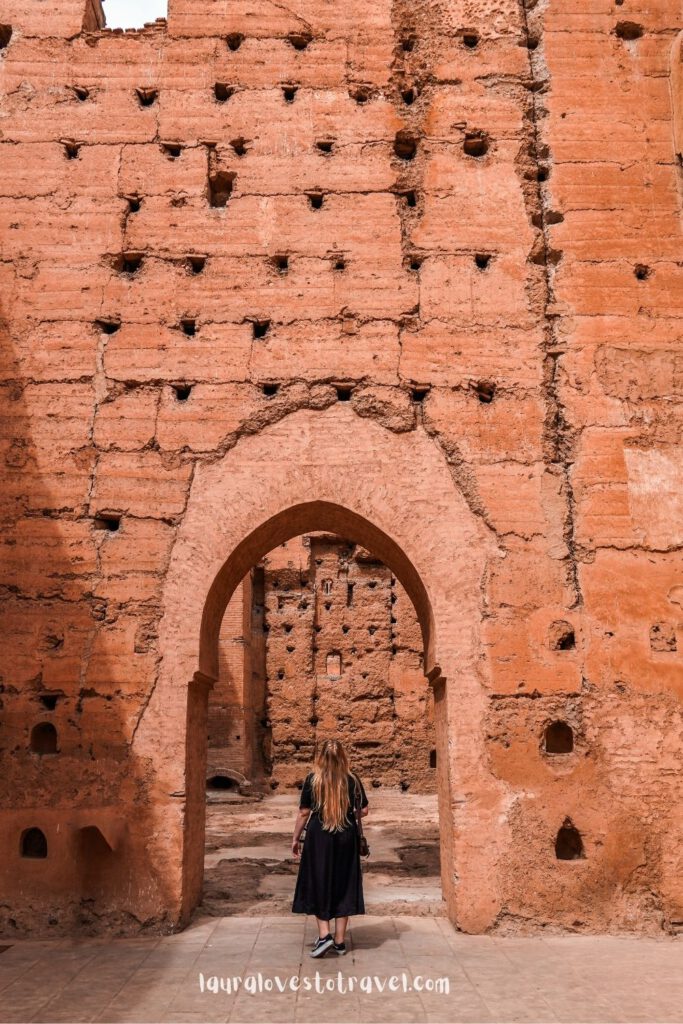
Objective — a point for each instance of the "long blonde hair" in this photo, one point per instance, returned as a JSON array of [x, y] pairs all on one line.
[[331, 786]]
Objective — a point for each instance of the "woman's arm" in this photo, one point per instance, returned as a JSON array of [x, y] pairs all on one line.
[[299, 825]]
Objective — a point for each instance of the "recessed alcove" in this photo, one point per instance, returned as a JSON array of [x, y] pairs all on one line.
[[43, 739]]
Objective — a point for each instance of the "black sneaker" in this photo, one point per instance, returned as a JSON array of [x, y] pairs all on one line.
[[322, 945], [340, 948]]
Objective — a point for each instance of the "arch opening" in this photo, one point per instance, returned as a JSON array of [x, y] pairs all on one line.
[[293, 522], [297, 662]]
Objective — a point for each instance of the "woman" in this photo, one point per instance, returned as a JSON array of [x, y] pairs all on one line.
[[329, 883]]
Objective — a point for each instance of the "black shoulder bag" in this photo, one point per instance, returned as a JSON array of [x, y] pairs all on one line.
[[363, 843]]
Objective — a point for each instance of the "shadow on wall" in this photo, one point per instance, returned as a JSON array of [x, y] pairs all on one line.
[[68, 707]]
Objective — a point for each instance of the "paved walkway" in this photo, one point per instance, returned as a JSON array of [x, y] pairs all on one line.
[[490, 979]]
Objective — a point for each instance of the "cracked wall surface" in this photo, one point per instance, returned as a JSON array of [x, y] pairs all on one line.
[[457, 225]]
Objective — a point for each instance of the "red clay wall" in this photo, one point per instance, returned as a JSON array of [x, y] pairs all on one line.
[[494, 265]]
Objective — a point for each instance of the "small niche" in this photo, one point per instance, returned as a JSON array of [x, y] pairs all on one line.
[[43, 739], [134, 203], [663, 638], [299, 40], [542, 174], [405, 786], [49, 700], [220, 188], [260, 328], [558, 738], [80, 92], [324, 145], [569, 844], [628, 30], [349, 594], [182, 392], [147, 97], [108, 326], [405, 145], [196, 264], [188, 327], [289, 92], [172, 150], [344, 394], [239, 146], [94, 851], [71, 150], [338, 263], [234, 41], [408, 43], [641, 271], [360, 93], [485, 391], [532, 42], [432, 759], [270, 390], [415, 262], [33, 844], [222, 92], [409, 95], [482, 260], [475, 144], [333, 664], [470, 40], [108, 521], [221, 782], [5, 36], [418, 395], [561, 636], [281, 262], [130, 262], [315, 199]]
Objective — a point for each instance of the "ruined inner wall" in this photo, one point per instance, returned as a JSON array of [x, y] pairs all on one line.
[[464, 220], [340, 654], [344, 658]]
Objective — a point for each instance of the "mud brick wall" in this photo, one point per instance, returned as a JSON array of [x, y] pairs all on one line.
[[344, 659], [407, 273]]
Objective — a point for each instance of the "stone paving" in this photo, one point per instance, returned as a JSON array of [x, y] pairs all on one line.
[[549, 978], [249, 869]]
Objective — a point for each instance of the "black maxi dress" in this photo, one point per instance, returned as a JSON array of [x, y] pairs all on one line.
[[329, 883]]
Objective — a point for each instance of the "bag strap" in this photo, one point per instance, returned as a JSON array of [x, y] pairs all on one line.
[[357, 805]]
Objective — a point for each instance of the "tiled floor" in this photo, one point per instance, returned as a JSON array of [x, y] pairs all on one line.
[[569, 979]]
